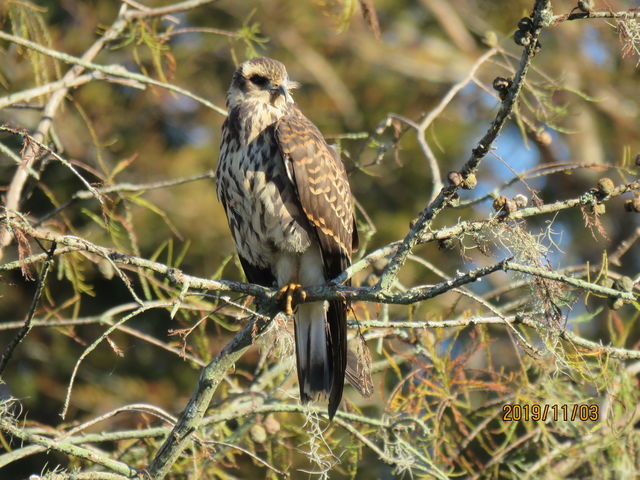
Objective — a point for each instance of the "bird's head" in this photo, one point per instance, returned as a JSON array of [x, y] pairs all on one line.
[[261, 80]]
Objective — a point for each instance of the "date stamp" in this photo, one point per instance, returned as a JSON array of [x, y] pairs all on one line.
[[583, 412]]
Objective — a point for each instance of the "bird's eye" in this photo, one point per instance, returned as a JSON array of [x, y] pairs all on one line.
[[259, 80]]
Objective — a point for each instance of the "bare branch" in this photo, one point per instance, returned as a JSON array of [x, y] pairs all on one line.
[[30, 154], [484, 145], [113, 70], [66, 447], [26, 327], [622, 15], [145, 12]]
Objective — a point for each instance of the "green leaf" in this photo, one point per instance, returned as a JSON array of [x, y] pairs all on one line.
[[97, 219], [587, 317], [138, 200]]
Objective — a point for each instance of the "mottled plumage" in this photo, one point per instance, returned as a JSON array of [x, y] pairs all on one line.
[[289, 207]]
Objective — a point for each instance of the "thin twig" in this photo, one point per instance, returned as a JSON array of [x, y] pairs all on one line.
[[588, 198], [114, 70], [26, 327], [536, 172], [215, 31], [624, 247], [142, 308], [126, 187], [621, 15], [30, 154], [192, 416], [67, 448], [30, 141], [425, 218], [146, 12], [25, 95], [412, 295]]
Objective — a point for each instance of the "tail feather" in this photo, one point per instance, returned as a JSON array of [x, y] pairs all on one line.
[[337, 350], [312, 344], [321, 352]]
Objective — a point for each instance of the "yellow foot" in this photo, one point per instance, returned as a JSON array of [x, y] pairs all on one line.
[[289, 293]]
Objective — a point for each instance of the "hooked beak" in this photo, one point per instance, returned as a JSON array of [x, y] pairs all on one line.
[[284, 88]]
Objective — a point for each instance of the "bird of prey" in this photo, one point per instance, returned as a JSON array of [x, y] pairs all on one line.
[[289, 208]]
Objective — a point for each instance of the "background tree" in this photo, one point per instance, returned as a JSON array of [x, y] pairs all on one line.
[[493, 151]]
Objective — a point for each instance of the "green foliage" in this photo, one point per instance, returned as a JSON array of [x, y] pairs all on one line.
[[27, 21], [250, 35]]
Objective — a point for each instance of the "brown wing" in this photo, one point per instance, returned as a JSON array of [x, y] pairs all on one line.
[[323, 190], [322, 187]]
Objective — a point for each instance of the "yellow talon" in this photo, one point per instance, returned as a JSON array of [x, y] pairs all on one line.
[[287, 293]]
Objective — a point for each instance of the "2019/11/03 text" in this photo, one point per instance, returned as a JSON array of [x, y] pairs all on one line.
[[536, 412]]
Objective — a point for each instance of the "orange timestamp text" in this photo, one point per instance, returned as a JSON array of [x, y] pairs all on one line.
[[513, 412]]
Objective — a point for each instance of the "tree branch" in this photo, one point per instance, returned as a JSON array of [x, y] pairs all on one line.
[[30, 154], [191, 417], [66, 447], [114, 70], [622, 15], [425, 218], [145, 12], [26, 327]]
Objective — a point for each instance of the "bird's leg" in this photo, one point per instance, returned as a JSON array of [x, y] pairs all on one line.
[[290, 295]]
